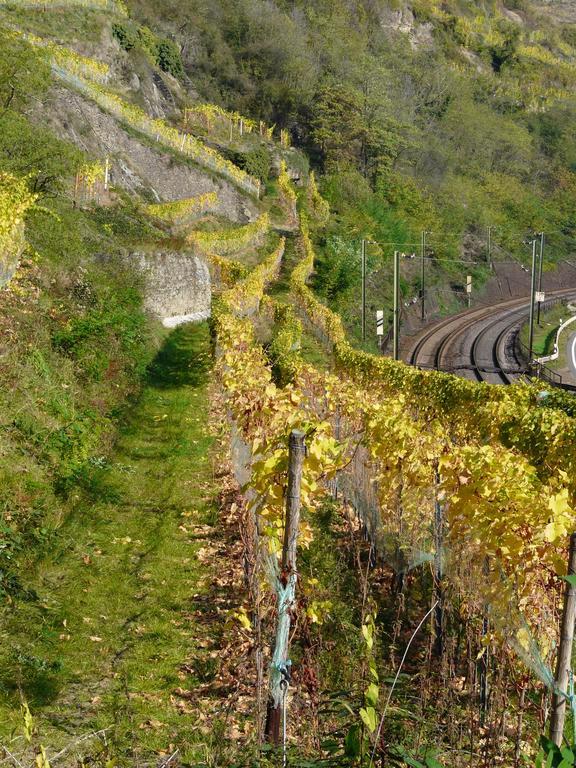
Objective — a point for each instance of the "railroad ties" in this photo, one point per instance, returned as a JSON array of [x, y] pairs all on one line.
[[480, 344]]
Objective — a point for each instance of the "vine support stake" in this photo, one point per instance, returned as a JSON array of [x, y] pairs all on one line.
[[564, 661], [485, 658], [363, 265], [286, 591], [438, 573]]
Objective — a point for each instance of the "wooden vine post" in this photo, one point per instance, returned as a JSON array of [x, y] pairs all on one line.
[[564, 662], [485, 658], [438, 620], [286, 591]]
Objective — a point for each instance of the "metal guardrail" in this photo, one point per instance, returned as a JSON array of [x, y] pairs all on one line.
[[535, 368]]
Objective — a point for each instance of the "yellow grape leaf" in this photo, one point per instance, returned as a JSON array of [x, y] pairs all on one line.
[[368, 716], [242, 617]]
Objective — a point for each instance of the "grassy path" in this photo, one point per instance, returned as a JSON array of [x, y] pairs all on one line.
[[104, 645], [312, 351]]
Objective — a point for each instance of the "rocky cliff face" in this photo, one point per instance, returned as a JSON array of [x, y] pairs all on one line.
[[561, 10], [135, 165]]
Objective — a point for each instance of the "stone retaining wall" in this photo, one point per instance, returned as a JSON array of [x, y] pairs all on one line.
[[177, 286]]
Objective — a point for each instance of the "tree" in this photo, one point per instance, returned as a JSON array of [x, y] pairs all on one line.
[[30, 150], [24, 71]]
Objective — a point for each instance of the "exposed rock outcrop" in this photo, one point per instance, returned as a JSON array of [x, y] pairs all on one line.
[[136, 166]]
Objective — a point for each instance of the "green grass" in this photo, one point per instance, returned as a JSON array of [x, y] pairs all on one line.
[[545, 332], [66, 24], [314, 352], [114, 619]]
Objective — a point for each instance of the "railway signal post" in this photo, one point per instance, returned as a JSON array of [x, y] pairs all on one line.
[[396, 346], [422, 276], [540, 269], [532, 302]]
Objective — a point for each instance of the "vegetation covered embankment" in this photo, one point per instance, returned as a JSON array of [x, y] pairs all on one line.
[[464, 493], [449, 118]]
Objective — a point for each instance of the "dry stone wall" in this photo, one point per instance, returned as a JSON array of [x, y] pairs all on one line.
[[177, 286]]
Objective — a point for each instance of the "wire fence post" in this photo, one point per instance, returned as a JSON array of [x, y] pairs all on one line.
[[564, 661], [286, 591]]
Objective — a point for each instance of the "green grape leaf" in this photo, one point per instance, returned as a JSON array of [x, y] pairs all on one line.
[[371, 694], [368, 716]]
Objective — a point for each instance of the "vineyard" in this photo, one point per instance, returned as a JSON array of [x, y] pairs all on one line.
[[115, 6], [15, 201], [156, 129], [74, 63], [440, 471], [367, 564], [178, 210]]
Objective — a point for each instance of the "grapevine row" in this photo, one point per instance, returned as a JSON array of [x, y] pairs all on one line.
[[71, 61], [517, 416], [175, 210], [497, 507], [226, 241], [210, 116]]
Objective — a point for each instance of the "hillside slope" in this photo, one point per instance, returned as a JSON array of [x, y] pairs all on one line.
[[144, 472], [455, 118]]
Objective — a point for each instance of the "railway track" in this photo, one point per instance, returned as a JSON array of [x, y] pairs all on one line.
[[478, 344]]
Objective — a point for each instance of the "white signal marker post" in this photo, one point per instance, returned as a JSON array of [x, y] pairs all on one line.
[[380, 327], [469, 289]]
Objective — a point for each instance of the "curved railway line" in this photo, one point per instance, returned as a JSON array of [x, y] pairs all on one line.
[[479, 344]]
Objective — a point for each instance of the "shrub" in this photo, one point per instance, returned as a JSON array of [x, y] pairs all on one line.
[[165, 53], [148, 41], [126, 35], [168, 58], [257, 163]]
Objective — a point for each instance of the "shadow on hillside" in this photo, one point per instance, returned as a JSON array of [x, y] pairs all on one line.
[[183, 359]]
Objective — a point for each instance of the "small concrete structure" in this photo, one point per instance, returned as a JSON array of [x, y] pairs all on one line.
[[177, 286], [7, 269], [10, 256]]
